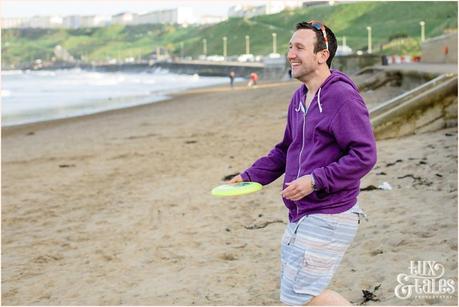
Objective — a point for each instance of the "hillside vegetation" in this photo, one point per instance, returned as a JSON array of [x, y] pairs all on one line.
[[389, 21]]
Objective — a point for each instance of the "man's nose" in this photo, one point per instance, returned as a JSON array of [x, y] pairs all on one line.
[[291, 55]]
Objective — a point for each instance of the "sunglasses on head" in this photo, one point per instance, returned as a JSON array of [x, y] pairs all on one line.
[[319, 27]]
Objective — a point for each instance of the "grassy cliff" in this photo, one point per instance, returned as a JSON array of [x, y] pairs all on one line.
[[390, 21]]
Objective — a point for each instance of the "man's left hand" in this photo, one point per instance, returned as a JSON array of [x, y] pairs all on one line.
[[298, 188]]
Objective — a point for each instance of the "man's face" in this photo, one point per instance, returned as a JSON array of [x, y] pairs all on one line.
[[304, 62]]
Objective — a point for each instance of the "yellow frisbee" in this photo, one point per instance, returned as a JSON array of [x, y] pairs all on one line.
[[236, 189]]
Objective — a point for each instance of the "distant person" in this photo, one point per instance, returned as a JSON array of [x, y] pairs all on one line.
[[232, 75], [445, 52], [328, 146], [384, 60], [253, 79]]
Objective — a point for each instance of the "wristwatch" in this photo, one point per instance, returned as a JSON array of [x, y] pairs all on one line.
[[313, 183]]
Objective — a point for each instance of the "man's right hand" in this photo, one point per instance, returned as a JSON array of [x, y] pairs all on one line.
[[236, 179]]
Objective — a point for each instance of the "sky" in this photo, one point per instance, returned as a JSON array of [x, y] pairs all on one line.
[[28, 8]]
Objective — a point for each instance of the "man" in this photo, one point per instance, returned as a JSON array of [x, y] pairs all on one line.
[[253, 79], [232, 75], [328, 146]]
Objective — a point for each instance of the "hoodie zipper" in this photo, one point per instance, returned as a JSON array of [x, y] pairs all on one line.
[[303, 107]]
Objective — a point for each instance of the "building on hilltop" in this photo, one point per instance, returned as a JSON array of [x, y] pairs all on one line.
[[125, 18], [32, 22], [77, 21], [13, 22], [44, 22], [94, 21], [53, 22], [210, 19], [249, 11], [273, 7], [182, 16]]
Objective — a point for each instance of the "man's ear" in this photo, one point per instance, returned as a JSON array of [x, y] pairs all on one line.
[[323, 56]]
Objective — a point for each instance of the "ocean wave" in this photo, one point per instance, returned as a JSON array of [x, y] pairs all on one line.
[[70, 90], [45, 73], [11, 72]]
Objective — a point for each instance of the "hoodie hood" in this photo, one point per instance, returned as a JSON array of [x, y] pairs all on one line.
[[335, 77]]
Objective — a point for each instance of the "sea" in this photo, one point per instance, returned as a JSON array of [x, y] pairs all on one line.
[[34, 96]]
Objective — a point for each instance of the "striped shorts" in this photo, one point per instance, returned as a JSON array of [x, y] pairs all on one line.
[[311, 251]]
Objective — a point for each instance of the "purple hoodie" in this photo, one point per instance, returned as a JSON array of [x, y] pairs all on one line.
[[333, 140]]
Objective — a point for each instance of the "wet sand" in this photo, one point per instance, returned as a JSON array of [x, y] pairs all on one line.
[[115, 208]]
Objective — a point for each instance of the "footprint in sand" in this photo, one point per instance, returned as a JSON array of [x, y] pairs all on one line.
[[47, 258], [228, 257], [376, 252]]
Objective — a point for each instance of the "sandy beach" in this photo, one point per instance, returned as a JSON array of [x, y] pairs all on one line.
[[115, 208]]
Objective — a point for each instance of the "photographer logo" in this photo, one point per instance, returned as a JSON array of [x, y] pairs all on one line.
[[424, 281]]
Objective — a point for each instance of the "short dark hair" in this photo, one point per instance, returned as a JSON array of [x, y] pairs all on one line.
[[320, 43]]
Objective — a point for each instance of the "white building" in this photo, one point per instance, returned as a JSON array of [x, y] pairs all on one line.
[[181, 16], [273, 7], [39, 22], [210, 19], [14, 22], [94, 21], [72, 22], [76, 21], [126, 18], [52, 22], [56, 22], [44, 22]]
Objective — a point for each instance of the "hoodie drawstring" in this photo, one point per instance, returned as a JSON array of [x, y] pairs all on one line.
[[318, 100], [301, 107]]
